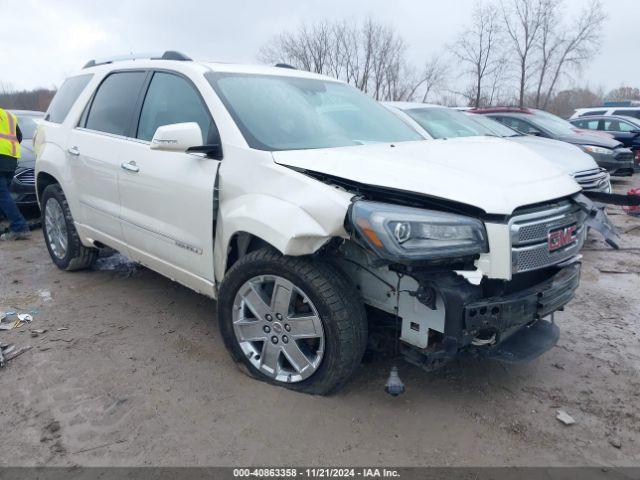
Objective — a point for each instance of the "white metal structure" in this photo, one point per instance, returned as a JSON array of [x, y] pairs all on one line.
[[295, 200]]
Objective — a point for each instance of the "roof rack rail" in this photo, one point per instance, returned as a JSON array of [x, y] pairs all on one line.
[[285, 65], [167, 55]]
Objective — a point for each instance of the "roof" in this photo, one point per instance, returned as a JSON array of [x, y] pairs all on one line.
[[181, 62], [608, 107], [502, 110], [586, 118], [411, 105]]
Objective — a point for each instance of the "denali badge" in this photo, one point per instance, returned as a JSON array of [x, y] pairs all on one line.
[[561, 237]]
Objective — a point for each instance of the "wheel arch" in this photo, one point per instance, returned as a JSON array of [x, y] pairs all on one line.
[[43, 180]]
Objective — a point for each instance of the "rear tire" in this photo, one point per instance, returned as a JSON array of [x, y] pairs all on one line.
[[339, 330], [60, 234]]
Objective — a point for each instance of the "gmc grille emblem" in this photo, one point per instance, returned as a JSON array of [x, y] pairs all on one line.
[[561, 237]]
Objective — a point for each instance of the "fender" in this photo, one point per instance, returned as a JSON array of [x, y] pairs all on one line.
[[51, 158], [284, 225]]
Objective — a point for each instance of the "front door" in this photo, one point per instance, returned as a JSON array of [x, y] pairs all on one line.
[[167, 198]]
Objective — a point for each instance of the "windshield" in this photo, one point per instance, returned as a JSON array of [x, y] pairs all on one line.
[[555, 125], [446, 123], [496, 127], [27, 125], [292, 113]]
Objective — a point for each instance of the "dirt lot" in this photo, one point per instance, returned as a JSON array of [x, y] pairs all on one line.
[[140, 377]]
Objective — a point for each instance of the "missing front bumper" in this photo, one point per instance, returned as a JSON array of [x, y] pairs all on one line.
[[515, 324], [505, 315]]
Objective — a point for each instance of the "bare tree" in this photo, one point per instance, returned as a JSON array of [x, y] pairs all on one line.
[[623, 93], [370, 56], [578, 45], [549, 43], [5, 87], [522, 21], [429, 81], [478, 48]]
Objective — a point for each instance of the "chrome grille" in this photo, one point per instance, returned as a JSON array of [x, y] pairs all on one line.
[[26, 177], [596, 180], [530, 236]]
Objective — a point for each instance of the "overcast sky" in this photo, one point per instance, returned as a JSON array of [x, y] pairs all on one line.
[[42, 41]]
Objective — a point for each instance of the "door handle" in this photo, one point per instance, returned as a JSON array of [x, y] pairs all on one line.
[[130, 167], [74, 151]]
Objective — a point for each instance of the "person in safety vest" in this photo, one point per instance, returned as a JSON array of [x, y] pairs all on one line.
[[10, 138]]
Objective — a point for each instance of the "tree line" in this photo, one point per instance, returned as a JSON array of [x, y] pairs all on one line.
[[513, 52], [36, 99]]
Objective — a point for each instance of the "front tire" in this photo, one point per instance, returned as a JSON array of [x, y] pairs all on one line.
[[296, 322], [60, 234]]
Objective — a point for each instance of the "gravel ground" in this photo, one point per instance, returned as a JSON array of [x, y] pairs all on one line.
[[132, 371]]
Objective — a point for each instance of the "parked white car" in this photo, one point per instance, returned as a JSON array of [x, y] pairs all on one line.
[[311, 213], [435, 121], [625, 111]]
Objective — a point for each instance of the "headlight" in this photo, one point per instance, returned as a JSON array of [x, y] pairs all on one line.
[[597, 150], [403, 233]]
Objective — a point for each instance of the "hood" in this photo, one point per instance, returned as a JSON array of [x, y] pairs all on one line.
[[27, 154], [589, 139], [567, 157], [492, 174]]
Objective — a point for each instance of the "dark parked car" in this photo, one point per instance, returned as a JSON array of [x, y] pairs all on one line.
[[607, 152], [23, 185], [624, 129]]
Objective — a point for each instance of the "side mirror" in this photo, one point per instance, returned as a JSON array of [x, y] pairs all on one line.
[[178, 137]]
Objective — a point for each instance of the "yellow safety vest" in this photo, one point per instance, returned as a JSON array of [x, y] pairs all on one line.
[[9, 144]]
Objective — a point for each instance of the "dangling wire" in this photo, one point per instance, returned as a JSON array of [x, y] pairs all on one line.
[[398, 324]]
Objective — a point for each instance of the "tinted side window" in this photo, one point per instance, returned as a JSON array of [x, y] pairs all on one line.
[[66, 97], [611, 125], [588, 124], [114, 103], [616, 126], [518, 125], [628, 113], [172, 99]]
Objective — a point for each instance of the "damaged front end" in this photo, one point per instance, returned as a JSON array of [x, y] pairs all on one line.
[[456, 284]]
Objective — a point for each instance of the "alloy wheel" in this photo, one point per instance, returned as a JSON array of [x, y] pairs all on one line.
[[56, 228], [278, 328]]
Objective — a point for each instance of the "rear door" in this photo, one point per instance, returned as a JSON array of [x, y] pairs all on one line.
[[95, 150], [167, 198]]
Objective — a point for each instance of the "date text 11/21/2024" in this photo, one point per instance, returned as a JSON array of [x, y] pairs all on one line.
[[315, 472]]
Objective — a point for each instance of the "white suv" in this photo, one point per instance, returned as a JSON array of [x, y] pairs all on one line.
[[311, 213]]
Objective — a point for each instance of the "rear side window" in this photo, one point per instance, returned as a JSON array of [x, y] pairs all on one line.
[[172, 99], [66, 97], [617, 126], [588, 124], [628, 113], [518, 125], [113, 105]]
